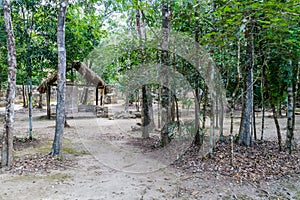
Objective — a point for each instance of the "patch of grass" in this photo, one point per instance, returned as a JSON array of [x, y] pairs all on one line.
[[45, 148], [69, 149], [59, 176], [73, 151]]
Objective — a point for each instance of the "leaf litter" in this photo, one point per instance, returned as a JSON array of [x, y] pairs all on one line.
[[262, 161], [37, 163]]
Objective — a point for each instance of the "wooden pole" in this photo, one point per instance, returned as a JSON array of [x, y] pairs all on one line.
[[97, 96], [48, 101]]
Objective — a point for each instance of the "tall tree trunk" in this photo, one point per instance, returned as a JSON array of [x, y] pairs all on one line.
[[198, 133], [158, 107], [253, 125], [128, 66], [275, 117], [262, 102], [7, 140], [246, 124], [165, 95], [290, 107], [212, 136], [61, 80], [217, 111], [147, 108], [204, 107], [292, 92], [296, 86], [221, 112], [30, 106]]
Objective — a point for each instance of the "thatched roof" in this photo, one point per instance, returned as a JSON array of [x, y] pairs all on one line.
[[49, 81], [90, 76]]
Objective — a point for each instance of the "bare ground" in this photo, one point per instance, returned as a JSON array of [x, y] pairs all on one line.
[[103, 159]]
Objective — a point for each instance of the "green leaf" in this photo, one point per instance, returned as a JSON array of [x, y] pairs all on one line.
[[264, 22]]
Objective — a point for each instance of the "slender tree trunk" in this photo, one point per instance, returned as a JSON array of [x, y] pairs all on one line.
[[217, 111], [262, 102], [231, 135], [246, 120], [290, 140], [253, 125], [128, 66], [198, 133], [165, 95], [274, 112], [275, 117], [159, 108], [212, 137], [147, 108], [204, 107], [7, 140], [296, 86], [61, 80], [30, 107], [245, 129], [289, 135]]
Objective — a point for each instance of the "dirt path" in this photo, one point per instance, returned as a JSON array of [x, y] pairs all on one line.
[[106, 167]]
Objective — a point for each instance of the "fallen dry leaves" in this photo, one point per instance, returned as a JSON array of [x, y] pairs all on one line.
[[260, 162], [37, 164], [34, 164]]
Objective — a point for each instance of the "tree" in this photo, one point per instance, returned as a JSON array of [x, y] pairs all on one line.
[[61, 80], [247, 112], [147, 109], [165, 94], [7, 141]]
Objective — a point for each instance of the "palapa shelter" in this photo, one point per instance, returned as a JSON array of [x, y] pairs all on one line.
[[90, 76]]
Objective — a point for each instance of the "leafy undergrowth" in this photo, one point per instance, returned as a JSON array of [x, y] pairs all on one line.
[[260, 162]]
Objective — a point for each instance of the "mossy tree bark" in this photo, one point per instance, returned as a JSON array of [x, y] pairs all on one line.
[[7, 140]]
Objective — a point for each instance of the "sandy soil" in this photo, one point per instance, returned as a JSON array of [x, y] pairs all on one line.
[[106, 166]]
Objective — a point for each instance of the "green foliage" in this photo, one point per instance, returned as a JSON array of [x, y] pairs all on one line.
[[223, 26], [83, 32]]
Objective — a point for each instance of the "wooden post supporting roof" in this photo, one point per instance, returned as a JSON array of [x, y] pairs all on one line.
[[48, 92]]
